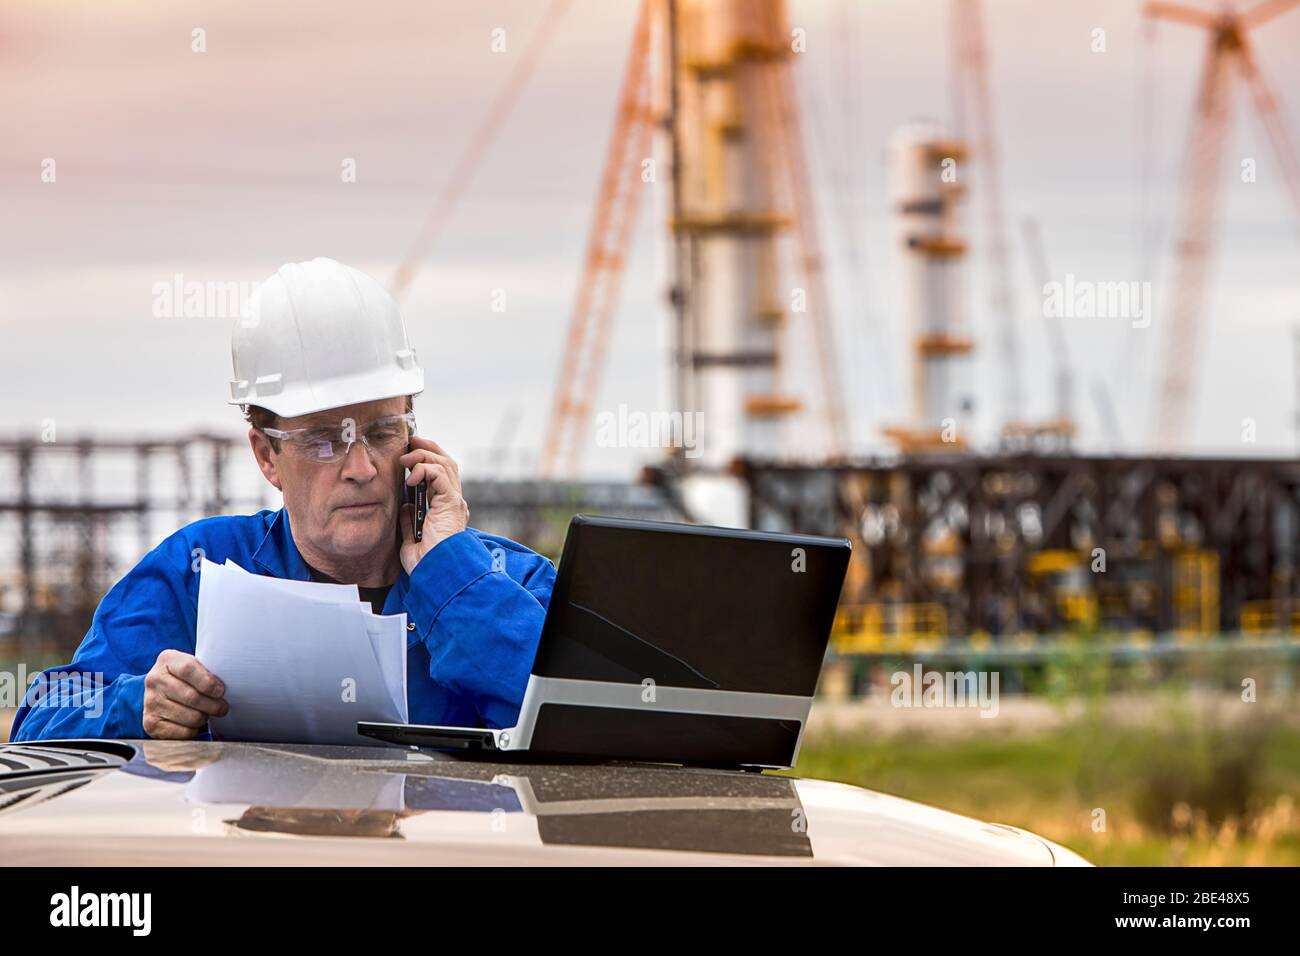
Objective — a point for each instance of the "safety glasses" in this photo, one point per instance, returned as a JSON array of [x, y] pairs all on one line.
[[328, 444]]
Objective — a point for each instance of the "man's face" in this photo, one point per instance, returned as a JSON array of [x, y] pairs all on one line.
[[347, 508]]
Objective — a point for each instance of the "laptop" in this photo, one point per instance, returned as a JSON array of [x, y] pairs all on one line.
[[670, 643]]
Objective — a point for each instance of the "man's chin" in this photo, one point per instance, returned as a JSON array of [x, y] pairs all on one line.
[[354, 535]]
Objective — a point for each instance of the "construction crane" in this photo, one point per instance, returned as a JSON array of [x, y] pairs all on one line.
[[608, 243], [784, 96], [476, 148], [748, 154], [971, 95], [1062, 424], [1228, 50]]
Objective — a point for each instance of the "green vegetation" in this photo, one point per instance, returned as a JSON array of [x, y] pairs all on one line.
[[1188, 788]]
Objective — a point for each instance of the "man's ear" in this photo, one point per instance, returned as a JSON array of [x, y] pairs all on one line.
[[265, 460]]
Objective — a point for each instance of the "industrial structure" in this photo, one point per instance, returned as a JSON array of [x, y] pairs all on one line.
[[77, 514], [949, 542], [954, 545], [742, 227]]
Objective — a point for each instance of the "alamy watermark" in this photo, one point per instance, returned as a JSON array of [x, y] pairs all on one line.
[[936, 689], [74, 908], [1084, 299], [182, 299], [628, 428], [83, 690]]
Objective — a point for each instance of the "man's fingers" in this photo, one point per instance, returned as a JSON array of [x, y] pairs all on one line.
[[428, 450], [180, 695], [439, 481], [188, 669], [417, 458], [160, 728], [173, 688], [179, 677], [419, 441], [169, 710]]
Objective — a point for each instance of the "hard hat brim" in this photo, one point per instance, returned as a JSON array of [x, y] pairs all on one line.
[[339, 393]]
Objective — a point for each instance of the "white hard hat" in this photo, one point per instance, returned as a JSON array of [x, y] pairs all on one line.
[[320, 335]]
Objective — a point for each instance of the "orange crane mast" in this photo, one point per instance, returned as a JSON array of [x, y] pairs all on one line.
[[783, 98], [608, 244]]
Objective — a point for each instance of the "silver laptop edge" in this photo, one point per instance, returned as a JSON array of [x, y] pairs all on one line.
[[686, 700]]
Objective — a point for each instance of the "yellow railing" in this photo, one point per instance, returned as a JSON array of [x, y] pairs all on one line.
[[1196, 593], [870, 628], [1268, 617]]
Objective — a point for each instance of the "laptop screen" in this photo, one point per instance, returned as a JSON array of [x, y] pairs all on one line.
[[692, 607]]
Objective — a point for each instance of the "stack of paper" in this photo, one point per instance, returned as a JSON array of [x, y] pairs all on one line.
[[302, 662]]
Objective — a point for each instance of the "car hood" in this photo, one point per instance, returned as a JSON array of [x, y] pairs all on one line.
[[202, 803]]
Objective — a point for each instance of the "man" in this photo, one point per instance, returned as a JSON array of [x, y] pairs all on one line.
[[325, 375]]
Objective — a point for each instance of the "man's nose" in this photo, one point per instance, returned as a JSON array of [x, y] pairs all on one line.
[[357, 465]]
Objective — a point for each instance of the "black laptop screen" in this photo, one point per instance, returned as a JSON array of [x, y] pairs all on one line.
[[701, 608]]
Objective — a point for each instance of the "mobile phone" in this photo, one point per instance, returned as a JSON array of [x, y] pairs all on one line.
[[421, 508], [418, 496]]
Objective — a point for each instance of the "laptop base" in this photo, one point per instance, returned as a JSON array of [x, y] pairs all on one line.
[[429, 735]]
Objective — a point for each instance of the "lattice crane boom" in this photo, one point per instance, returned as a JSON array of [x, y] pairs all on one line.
[[791, 144], [1195, 238], [608, 244], [971, 80], [475, 151]]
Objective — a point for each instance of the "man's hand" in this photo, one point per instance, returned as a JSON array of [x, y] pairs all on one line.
[[448, 513], [180, 694]]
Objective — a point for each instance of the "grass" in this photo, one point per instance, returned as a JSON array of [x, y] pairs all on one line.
[[1191, 790]]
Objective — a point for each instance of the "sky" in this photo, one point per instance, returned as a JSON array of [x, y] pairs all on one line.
[[220, 166]]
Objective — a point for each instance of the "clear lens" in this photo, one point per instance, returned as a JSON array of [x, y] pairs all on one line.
[[328, 444], [387, 434], [325, 449]]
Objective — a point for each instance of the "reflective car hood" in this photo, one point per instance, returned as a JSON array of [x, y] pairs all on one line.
[[200, 803]]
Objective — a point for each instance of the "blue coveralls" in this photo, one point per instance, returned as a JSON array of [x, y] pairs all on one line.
[[477, 602]]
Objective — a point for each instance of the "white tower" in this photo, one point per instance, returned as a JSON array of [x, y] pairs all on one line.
[[727, 224], [925, 187]]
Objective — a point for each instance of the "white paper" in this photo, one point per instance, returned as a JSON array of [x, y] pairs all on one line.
[[388, 641], [302, 661]]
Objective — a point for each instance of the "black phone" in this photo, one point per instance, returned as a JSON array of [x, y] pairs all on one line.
[[421, 507], [418, 496]]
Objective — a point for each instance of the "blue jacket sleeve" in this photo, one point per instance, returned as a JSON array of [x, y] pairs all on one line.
[[101, 692], [478, 605]]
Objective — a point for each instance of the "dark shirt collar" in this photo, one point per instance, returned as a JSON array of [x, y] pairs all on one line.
[[279, 557]]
